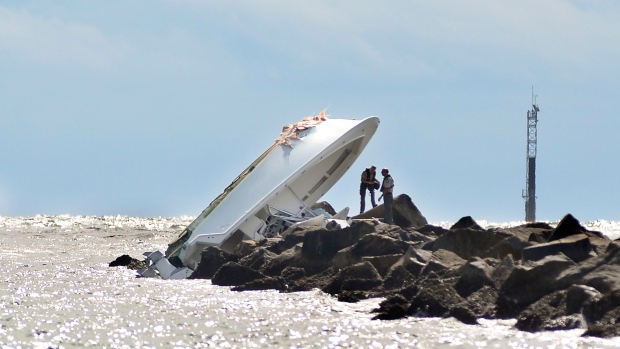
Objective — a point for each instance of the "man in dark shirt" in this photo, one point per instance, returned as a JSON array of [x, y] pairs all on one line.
[[368, 182]]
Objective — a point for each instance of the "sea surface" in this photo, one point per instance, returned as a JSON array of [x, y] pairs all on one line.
[[57, 291]]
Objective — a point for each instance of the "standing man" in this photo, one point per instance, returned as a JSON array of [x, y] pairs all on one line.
[[387, 188], [368, 182]]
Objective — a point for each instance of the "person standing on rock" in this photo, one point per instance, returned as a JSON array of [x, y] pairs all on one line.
[[370, 183], [387, 188]]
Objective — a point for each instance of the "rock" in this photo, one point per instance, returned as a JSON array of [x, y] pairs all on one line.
[[404, 211], [382, 263], [211, 259], [602, 316], [235, 274], [320, 245], [475, 274], [413, 261], [527, 284], [466, 223], [313, 280], [442, 260], [369, 245], [503, 269], [463, 314], [362, 276], [245, 247], [265, 283], [468, 243], [432, 230], [549, 314], [392, 308], [601, 272], [291, 273], [434, 301], [568, 226], [352, 296], [481, 303], [577, 296], [129, 262], [257, 259], [397, 278], [276, 265], [576, 247]]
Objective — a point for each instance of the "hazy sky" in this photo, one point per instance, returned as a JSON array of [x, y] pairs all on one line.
[[151, 108]]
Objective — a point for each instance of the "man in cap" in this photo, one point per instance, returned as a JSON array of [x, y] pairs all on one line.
[[387, 188]]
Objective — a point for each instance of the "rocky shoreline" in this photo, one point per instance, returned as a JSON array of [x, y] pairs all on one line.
[[546, 278]]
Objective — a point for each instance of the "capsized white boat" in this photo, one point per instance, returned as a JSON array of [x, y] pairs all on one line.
[[275, 192]]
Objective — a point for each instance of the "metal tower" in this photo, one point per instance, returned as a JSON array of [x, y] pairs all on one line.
[[529, 194]]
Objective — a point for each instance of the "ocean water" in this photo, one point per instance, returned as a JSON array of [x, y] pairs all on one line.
[[57, 291]]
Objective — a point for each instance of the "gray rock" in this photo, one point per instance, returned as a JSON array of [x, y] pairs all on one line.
[[576, 247], [235, 274], [527, 284]]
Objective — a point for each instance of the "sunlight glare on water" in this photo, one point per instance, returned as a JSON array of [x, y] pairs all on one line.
[[60, 293]]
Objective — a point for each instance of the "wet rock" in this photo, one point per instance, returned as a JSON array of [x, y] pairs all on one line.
[[602, 316], [292, 273], [362, 276], [352, 296], [549, 314], [129, 262], [257, 258], [527, 284], [397, 278], [235, 274], [211, 259], [265, 283], [434, 301], [320, 245], [392, 308], [481, 303], [276, 265]]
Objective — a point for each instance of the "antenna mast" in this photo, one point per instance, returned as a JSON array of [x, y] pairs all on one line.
[[529, 194]]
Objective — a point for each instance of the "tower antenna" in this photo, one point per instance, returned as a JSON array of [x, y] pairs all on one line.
[[529, 194]]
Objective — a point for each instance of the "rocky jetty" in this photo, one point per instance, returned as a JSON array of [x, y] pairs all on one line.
[[546, 278]]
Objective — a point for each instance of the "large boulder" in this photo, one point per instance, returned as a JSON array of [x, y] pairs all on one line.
[[601, 272], [602, 316], [576, 247], [211, 259], [235, 274], [369, 245], [527, 284], [362, 276], [474, 275], [468, 242], [568, 226], [321, 245], [442, 260], [560, 310], [404, 211]]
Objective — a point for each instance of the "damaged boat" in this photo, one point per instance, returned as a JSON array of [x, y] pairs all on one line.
[[274, 193]]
